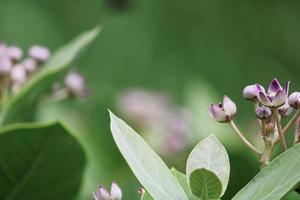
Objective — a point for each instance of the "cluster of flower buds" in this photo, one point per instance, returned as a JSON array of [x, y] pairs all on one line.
[[270, 107], [114, 194], [16, 70], [154, 113]]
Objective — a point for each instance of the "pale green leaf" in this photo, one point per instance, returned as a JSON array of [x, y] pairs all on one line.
[[275, 180], [147, 166], [146, 196], [211, 158], [20, 107]]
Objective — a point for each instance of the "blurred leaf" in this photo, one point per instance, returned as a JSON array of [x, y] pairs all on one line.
[[147, 166], [208, 168], [181, 178], [39, 161], [275, 180], [21, 106]]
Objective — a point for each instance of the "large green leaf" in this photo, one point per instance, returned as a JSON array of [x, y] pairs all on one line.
[[275, 180], [208, 167], [21, 106], [39, 162], [146, 196], [181, 178], [147, 166]]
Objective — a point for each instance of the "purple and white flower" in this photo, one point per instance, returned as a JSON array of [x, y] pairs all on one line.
[[276, 95], [114, 194], [223, 112], [250, 91]]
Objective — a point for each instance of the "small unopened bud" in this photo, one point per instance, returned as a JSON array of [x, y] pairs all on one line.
[[285, 110], [5, 66], [14, 53], [249, 92], [18, 74], [29, 64], [294, 100], [114, 194], [263, 112], [39, 53], [75, 84]]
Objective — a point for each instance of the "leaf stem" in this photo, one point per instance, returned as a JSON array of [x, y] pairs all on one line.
[[291, 122], [242, 137], [280, 131]]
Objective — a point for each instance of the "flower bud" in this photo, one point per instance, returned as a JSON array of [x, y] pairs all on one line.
[[263, 112], [18, 74], [39, 53], [14, 53], [75, 84], [294, 100], [115, 191], [249, 92], [114, 194], [223, 112], [5, 66], [29, 64]]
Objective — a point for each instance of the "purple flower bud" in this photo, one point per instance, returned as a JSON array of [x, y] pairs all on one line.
[[14, 53], [75, 84], [263, 112], [249, 92], [114, 194], [39, 53], [29, 64], [223, 112], [18, 74], [294, 100], [115, 191], [5, 66]]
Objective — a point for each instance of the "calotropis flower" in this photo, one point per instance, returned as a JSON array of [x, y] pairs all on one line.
[[276, 95], [114, 194], [223, 112], [263, 112]]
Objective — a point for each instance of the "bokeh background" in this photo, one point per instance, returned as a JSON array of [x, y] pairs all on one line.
[[192, 52]]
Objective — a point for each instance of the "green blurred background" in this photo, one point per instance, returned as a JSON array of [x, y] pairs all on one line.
[[194, 50]]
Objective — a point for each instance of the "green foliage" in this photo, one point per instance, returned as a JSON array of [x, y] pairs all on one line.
[[20, 107], [181, 178], [147, 166], [274, 181], [208, 168], [39, 161]]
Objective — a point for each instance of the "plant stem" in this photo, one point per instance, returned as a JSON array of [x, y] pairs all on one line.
[[280, 131], [292, 121], [242, 137], [266, 155], [297, 131]]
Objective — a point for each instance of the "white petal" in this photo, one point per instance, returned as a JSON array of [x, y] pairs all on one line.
[[229, 106]]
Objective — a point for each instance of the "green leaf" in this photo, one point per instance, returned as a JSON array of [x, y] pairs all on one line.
[[21, 106], [207, 167], [205, 184], [275, 180], [147, 166], [181, 178], [146, 196], [39, 161]]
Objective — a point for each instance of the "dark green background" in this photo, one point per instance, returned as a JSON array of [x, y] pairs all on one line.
[[162, 45]]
